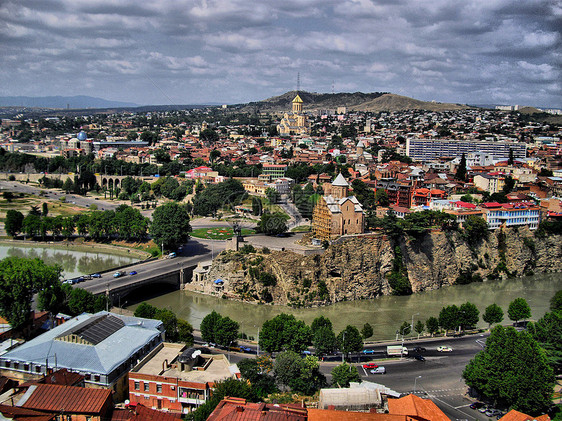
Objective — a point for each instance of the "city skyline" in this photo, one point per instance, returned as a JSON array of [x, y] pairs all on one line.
[[184, 52]]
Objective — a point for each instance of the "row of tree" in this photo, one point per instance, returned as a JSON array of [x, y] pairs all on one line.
[[177, 330]]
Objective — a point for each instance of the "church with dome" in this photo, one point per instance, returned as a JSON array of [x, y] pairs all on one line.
[[295, 122], [336, 213]]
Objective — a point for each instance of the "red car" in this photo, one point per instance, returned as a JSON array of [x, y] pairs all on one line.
[[369, 366]]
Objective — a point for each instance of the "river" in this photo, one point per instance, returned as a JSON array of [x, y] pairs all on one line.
[[385, 314], [73, 261]]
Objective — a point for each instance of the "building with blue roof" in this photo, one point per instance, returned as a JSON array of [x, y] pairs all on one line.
[[102, 346]]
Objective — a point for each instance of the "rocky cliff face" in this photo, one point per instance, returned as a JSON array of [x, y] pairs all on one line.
[[360, 267]]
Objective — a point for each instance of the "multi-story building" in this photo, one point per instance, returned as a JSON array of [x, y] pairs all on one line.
[[101, 346], [399, 193], [511, 214], [295, 122], [175, 379], [274, 170], [336, 214], [425, 150]]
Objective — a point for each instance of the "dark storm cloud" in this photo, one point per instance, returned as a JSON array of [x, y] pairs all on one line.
[[238, 50]]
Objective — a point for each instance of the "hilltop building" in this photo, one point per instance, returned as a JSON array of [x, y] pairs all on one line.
[[336, 214], [296, 121]]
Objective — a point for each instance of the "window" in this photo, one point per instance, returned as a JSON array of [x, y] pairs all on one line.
[[7, 364], [16, 365], [96, 378], [88, 376], [38, 369], [146, 387], [158, 388], [26, 367], [137, 386]]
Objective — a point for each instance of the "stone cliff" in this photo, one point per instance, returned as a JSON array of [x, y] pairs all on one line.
[[363, 267]]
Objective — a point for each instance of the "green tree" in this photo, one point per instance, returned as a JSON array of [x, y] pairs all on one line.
[[209, 135], [209, 326], [272, 195], [44, 209], [475, 229], [381, 198], [273, 223], [556, 301], [512, 371], [170, 225], [80, 301], [31, 225], [226, 331], [449, 317], [284, 332], [350, 340], [324, 340], [518, 310], [14, 222], [319, 322], [145, 310], [170, 322], [432, 325], [287, 367], [367, 331], [185, 332], [301, 375], [468, 315], [493, 314], [343, 374], [419, 328], [256, 206], [548, 332], [262, 383], [405, 328], [461, 169], [20, 278]]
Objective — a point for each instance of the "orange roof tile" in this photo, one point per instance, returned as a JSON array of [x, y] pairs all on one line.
[[415, 406], [71, 399], [332, 415], [514, 415]]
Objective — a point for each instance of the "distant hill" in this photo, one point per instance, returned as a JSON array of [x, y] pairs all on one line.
[[357, 101], [72, 102]]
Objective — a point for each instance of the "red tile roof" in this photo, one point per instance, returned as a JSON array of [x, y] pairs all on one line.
[[70, 399], [332, 415], [514, 415], [237, 409], [414, 406], [24, 414], [138, 412]]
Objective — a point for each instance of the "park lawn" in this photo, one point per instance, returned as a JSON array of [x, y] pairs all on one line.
[[222, 233], [302, 228], [24, 204]]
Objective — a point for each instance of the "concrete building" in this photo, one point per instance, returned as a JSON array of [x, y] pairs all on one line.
[[511, 215], [175, 379], [425, 150]]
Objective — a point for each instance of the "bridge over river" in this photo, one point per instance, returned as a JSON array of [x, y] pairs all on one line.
[[176, 271]]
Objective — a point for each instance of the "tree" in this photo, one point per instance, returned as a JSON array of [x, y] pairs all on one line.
[[548, 332], [492, 314], [324, 340], [343, 374], [284, 332], [419, 328], [405, 328], [209, 326], [14, 222], [273, 223], [185, 332], [209, 135], [381, 198], [512, 371], [226, 331], [80, 301], [449, 317], [367, 331], [319, 322], [518, 310], [20, 278], [475, 229], [262, 383], [432, 325], [145, 310], [461, 169], [44, 209], [170, 225], [350, 340], [301, 375], [468, 315], [556, 301], [256, 206], [509, 184], [272, 195]]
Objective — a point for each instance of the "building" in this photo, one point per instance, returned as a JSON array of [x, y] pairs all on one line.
[[511, 215], [357, 397], [336, 214], [102, 347], [274, 170], [295, 122], [175, 379], [490, 183], [432, 149], [240, 410]]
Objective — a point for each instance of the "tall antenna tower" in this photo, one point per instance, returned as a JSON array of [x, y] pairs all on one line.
[[298, 82], [333, 83]]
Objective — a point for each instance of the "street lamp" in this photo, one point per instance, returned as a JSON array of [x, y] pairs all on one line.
[[415, 381], [258, 351], [343, 346], [228, 350], [412, 325]]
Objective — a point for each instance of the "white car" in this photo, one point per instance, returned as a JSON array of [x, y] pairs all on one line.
[[444, 348], [379, 370]]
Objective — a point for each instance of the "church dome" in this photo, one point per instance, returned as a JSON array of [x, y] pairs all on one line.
[[340, 181]]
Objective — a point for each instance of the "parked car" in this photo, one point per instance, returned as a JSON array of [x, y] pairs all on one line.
[[419, 349], [96, 275], [476, 405], [133, 272], [485, 408], [419, 357], [492, 412], [87, 277], [370, 366], [444, 348], [118, 274], [379, 370], [368, 351], [307, 352]]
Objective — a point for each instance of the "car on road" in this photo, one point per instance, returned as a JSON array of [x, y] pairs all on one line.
[[307, 352], [118, 274], [419, 357], [133, 272], [96, 275], [370, 366], [444, 348], [379, 370], [87, 277], [172, 255], [419, 349], [245, 349], [368, 351], [476, 405], [485, 408]]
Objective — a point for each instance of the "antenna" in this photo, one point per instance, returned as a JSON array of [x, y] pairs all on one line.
[[333, 83], [298, 82]]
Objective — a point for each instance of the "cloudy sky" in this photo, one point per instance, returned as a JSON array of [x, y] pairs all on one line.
[[231, 51]]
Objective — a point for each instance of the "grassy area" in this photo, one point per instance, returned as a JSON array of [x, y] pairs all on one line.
[[302, 228], [23, 203], [223, 233]]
